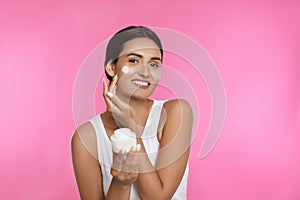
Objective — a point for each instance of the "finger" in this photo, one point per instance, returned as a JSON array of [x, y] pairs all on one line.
[[105, 90], [105, 87], [130, 159], [130, 169], [114, 172], [130, 177], [109, 104], [129, 164], [113, 84], [119, 103], [110, 96], [134, 158], [118, 159]]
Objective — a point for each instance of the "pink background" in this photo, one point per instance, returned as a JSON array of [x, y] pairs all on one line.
[[255, 45]]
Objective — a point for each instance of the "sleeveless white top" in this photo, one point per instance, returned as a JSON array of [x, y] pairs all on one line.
[[149, 137]]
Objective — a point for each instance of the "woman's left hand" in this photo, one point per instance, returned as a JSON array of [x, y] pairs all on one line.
[[125, 166], [122, 112]]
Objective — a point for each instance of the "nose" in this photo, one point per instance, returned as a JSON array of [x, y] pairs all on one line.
[[144, 71]]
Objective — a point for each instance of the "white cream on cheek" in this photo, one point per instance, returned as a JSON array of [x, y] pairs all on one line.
[[125, 69]]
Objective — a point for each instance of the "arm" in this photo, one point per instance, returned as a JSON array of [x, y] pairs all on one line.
[[86, 167], [162, 180], [88, 172]]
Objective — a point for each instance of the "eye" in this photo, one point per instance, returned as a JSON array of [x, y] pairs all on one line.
[[134, 61], [154, 65]]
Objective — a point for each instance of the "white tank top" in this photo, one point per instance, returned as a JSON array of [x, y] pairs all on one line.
[[151, 144]]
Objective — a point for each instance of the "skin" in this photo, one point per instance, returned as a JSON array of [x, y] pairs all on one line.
[[129, 107]]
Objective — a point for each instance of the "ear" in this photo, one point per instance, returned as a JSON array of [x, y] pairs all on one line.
[[110, 68]]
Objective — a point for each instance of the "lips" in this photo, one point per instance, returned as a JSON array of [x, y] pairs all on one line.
[[140, 83]]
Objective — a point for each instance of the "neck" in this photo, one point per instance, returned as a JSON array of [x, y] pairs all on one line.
[[141, 107]]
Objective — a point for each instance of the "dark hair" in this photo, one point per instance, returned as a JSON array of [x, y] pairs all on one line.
[[116, 43]]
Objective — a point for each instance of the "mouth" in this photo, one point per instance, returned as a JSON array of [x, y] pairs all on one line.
[[141, 84]]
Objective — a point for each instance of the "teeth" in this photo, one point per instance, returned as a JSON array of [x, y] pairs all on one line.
[[142, 83]]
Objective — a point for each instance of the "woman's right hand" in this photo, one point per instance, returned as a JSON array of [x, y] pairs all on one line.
[[122, 112], [125, 167]]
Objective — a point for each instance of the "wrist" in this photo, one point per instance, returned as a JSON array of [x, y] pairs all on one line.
[[121, 184]]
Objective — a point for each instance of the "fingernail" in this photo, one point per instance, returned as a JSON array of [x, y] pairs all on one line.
[[116, 76], [110, 94], [127, 150], [123, 151], [138, 147]]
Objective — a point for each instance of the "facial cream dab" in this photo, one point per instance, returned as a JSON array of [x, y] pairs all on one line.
[[125, 69]]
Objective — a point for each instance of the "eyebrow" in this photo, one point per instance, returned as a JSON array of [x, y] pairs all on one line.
[[140, 56]]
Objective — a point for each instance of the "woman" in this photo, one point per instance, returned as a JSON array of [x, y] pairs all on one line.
[[157, 167]]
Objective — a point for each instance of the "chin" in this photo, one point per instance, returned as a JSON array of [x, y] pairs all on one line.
[[139, 94], [139, 97]]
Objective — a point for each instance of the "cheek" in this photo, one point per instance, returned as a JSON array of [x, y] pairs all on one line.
[[155, 75]]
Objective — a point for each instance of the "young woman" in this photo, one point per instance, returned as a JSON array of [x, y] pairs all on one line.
[[157, 167]]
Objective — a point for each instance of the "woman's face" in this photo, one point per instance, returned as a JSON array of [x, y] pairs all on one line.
[[138, 68]]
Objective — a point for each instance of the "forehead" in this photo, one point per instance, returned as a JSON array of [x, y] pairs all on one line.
[[141, 44]]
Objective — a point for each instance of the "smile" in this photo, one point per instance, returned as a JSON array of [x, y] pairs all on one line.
[[140, 83]]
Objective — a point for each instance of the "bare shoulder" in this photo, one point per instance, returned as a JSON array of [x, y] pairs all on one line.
[[176, 114], [86, 129], [85, 135], [179, 106]]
